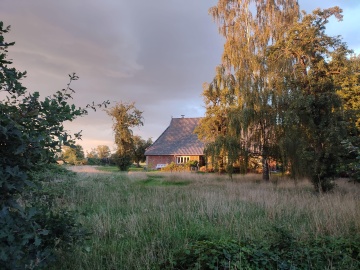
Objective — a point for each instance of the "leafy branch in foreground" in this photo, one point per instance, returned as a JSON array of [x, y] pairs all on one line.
[[31, 134]]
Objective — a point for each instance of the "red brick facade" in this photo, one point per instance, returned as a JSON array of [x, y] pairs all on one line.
[[152, 161]]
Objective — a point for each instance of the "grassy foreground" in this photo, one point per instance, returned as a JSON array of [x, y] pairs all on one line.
[[142, 220]]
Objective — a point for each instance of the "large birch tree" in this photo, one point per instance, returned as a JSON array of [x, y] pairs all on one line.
[[249, 27]]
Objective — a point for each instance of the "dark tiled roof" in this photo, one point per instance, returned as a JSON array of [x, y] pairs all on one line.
[[178, 139]]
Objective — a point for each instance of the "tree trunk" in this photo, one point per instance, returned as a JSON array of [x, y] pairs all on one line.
[[265, 165]]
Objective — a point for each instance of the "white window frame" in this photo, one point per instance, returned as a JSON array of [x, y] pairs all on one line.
[[182, 159]]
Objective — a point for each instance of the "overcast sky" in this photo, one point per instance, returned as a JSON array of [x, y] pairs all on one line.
[[156, 53]]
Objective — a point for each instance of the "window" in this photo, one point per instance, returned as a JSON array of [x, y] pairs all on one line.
[[182, 159]]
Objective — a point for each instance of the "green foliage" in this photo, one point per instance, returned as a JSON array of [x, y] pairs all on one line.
[[220, 98], [173, 167], [32, 234], [139, 148], [286, 91], [73, 155], [108, 168], [224, 152], [103, 151], [122, 161], [93, 161], [30, 238], [100, 155], [158, 180], [125, 117], [314, 118], [241, 102], [31, 134], [48, 172], [281, 251], [192, 163], [348, 81], [351, 167]]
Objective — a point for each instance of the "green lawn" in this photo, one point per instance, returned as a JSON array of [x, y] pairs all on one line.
[[142, 220], [116, 169]]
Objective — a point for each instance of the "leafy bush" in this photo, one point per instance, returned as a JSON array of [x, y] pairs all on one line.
[[173, 167], [281, 251], [123, 162], [31, 135], [30, 238], [50, 172], [351, 167]]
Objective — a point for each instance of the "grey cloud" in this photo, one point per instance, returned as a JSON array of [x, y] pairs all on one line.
[[157, 53]]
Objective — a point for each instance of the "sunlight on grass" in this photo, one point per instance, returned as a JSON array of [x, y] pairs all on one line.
[[107, 168], [116, 169], [151, 181], [139, 219]]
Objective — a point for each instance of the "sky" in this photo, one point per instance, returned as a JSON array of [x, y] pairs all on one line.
[[155, 53]]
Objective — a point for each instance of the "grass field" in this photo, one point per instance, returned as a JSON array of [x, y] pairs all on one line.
[[116, 169], [140, 220]]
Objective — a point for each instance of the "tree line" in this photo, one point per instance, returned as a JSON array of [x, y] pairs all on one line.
[[285, 91], [130, 148], [102, 155]]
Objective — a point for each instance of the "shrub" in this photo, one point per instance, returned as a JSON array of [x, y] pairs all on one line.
[[123, 162], [280, 251], [31, 134], [172, 167], [93, 161], [202, 169]]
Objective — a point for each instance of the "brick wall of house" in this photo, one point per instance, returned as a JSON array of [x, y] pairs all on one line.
[[152, 161]]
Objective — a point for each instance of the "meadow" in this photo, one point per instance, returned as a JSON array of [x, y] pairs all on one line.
[[155, 220]]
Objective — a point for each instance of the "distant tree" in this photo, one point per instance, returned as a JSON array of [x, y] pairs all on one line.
[[92, 157], [99, 155], [73, 155], [125, 116], [103, 151], [139, 147], [92, 154]]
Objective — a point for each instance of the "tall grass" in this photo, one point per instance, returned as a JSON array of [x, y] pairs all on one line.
[[139, 220]]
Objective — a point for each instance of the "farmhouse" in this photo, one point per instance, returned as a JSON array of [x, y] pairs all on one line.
[[177, 144]]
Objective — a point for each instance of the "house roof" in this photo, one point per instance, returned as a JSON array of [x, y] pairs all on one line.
[[178, 139]]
